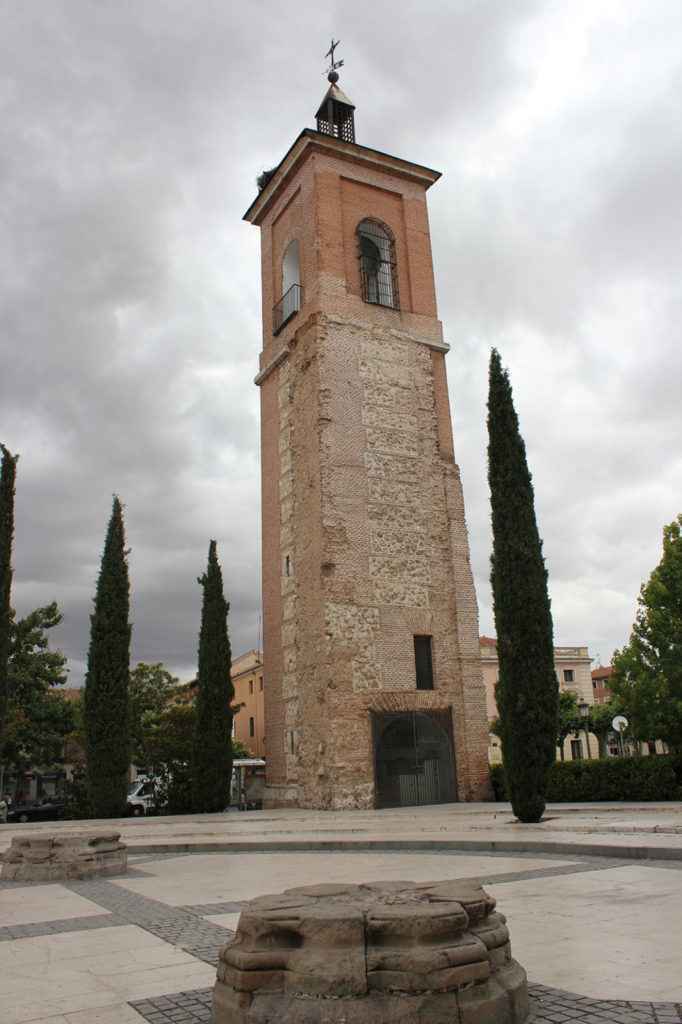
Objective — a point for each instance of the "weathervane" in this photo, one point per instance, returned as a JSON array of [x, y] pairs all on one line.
[[332, 75]]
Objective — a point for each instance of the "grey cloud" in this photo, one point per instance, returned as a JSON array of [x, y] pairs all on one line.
[[130, 138]]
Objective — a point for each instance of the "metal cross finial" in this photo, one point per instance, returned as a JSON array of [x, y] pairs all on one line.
[[333, 64]]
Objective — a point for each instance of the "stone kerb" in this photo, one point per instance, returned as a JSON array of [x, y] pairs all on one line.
[[47, 858], [394, 952]]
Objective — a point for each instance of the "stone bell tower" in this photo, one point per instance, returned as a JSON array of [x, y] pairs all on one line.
[[373, 685]]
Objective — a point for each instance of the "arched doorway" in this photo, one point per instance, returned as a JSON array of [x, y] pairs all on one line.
[[413, 758]]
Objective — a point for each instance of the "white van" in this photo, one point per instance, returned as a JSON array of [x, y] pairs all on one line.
[[140, 796]]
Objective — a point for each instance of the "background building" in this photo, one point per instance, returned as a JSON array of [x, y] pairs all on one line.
[[573, 669], [602, 695], [248, 725], [600, 684]]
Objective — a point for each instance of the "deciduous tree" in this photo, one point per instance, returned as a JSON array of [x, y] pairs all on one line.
[[151, 690], [527, 691], [648, 670], [167, 747], [600, 722], [569, 719], [38, 716]]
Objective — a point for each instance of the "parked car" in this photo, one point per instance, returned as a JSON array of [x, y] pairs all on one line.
[[141, 796], [49, 810]]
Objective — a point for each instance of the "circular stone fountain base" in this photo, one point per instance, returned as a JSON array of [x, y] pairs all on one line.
[[379, 953]]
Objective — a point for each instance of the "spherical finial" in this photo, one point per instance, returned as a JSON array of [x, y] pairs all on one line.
[[333, 77]]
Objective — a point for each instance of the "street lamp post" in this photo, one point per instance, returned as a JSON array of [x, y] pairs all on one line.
[[620, 724], [584, 709]]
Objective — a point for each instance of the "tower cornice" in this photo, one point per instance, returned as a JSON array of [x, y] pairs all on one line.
[[436, 344], [309, 142]]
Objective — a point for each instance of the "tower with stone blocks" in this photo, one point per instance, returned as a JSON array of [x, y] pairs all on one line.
[[373, 685]]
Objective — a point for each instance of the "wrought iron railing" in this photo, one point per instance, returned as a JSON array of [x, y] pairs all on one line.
[[288, 306], [378, 270]]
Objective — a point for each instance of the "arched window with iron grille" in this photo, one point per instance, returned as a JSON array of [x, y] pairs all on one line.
[[378, 270]]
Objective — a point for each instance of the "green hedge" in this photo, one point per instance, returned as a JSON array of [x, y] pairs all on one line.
[[657, 777]]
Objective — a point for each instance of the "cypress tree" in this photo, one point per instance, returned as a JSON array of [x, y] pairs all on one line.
[[8, 471], [107, 743], [212, 756], [528, 691]]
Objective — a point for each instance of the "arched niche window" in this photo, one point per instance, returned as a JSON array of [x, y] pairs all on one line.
[[291, 267], [378, 271], [290, 301]]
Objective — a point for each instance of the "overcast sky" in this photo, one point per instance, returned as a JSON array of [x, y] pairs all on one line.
[[131, 134]]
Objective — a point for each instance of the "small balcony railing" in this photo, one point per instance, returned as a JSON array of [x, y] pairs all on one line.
[[288, 306]]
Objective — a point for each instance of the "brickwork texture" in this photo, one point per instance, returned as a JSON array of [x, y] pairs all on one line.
[[364, 535]]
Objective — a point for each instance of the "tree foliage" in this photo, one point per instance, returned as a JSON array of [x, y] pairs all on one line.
[[77, 795], [527, 690], [151, 690], [239, 749], [612, 778], [648, 670], [107, 738], [569, 718], [31, 661], [166, 751], [38, 717], [212, 755], [601, 717], [8, 469], [167, 747]]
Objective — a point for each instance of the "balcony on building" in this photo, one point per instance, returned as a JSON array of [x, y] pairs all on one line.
[[287, 307]]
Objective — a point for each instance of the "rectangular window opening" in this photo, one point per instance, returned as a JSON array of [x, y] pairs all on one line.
[[568, 675], [252, 727], [423, 662]]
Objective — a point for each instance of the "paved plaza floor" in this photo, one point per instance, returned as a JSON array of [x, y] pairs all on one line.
[[600, 934]]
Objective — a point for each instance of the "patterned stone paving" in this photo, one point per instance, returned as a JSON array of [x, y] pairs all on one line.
[[204, 909], [68, 924], [176, 925], [604, 864], [550, 1006], [187, 928], [180, 1008]]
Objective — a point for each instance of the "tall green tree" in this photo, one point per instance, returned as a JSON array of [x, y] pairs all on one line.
[[107, 736], [648, 670], [8, 470], [527, 691], [39, 717], [212, 756]]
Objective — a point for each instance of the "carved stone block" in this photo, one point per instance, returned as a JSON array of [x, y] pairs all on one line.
[[369, 954], [51, 858]]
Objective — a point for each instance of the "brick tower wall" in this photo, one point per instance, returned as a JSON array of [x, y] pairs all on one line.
[[362, 502]]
